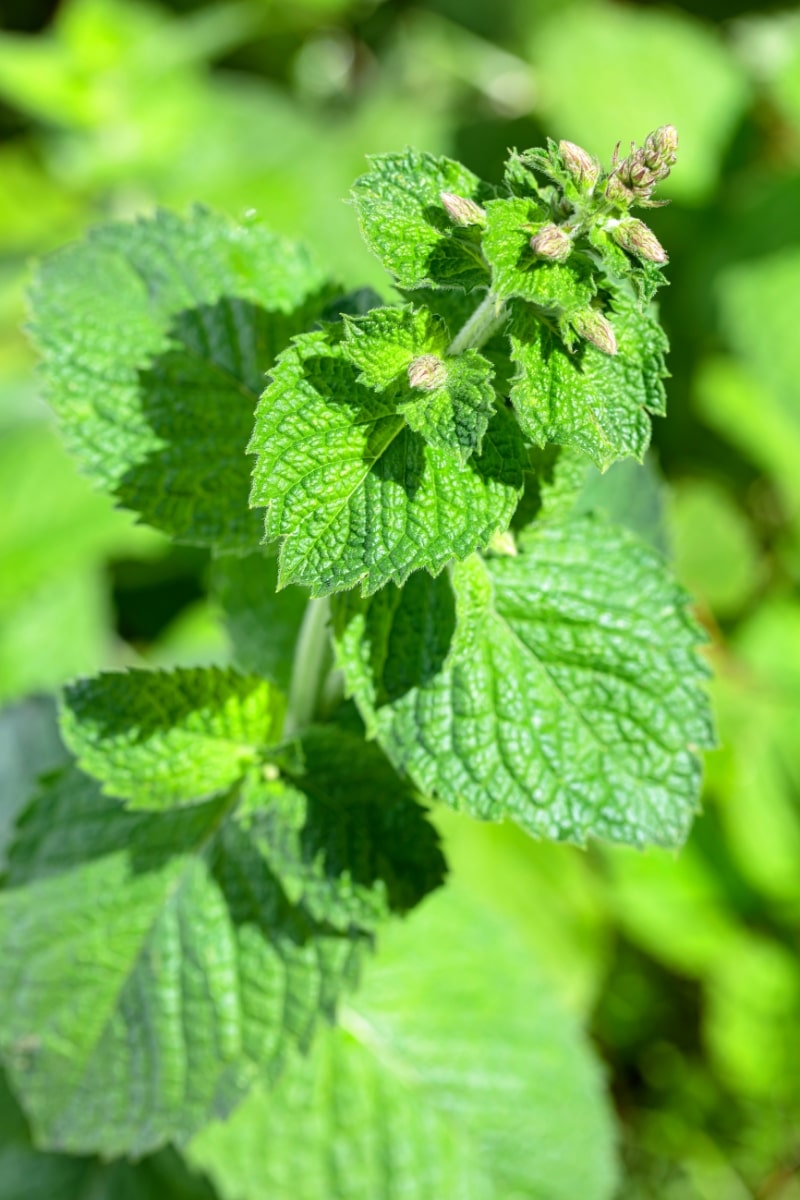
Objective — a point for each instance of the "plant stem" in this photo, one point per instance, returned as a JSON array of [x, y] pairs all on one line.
[[309, 667], [477, 329]]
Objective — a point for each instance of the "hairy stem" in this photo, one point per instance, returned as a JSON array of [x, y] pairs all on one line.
[[309, 669], [488, 317]]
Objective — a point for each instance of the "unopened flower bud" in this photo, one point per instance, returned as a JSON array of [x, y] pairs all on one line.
[[427, 373], [637, 238], [461, 210], [592, 325], [618, 192], [552, 242], [661, 147], [583, 168]]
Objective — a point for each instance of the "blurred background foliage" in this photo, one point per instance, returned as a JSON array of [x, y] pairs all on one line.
[[685, 969]]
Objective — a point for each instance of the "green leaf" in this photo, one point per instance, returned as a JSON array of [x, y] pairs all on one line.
[[560, 288], [630, 494], [156, 337], [29, 745], [342, 832], [456, 1074], [452, 403], [354, 494], [571, 699], [597, 402], [262, 624], [160, 738], [30, 1174], [405, 224], [154, 965]]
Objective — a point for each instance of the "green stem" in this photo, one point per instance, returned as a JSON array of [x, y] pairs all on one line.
[[488, 317], [309, 667]]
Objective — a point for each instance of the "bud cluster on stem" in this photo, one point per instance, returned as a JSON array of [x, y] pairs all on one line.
[[585, 200], [632, 181]]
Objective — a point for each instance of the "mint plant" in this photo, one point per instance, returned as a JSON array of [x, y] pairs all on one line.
[[420, 605]]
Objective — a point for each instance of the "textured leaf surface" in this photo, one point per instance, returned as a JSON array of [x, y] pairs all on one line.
[[357, 496], [153, 965], [405, 224], [29, 1174], [561, 288], [159, 738], [156, 337], [452, 407], [29, 745], [572, 700], [456, 1076], [262, 623], [343, 832], [597, 402]]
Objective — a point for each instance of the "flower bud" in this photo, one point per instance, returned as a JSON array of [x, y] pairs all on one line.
[[661, 148], [427, 373], [461, 210], [552, 242], [592, 325], [618, 192], [637, 238], [583, 168]]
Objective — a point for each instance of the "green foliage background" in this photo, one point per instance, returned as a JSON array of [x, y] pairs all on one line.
[[684, 969]]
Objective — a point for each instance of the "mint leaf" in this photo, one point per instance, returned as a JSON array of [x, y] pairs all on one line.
[[153, 965], [405, 224], [30, 1174], [156, 337], [159, 738], [262, 624], [354, 494], [634, 495], [449, 400], [561, 288], [29, 745], [385, 342], [439, 1084], [570, 701], [342, 831], [597, 402]]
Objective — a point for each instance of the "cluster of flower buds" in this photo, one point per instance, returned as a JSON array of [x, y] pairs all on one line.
[[427, 373], [633, 179], [461, 210]]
